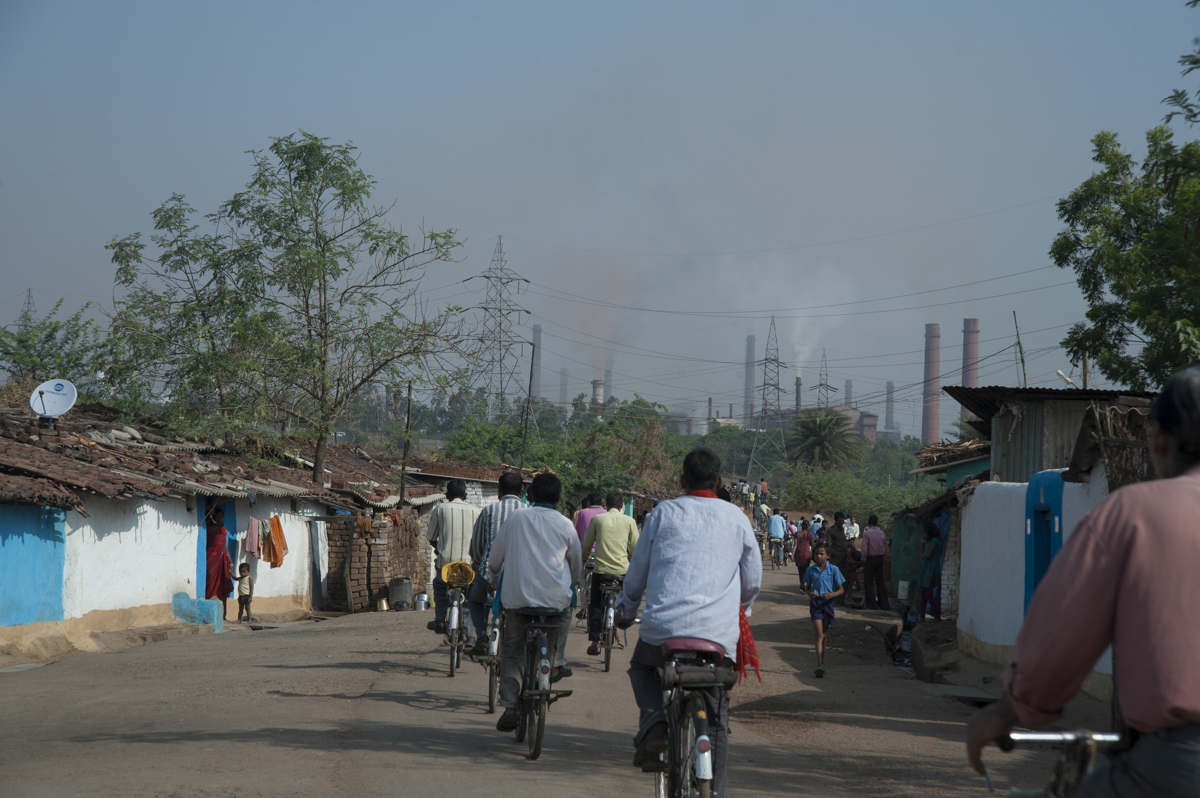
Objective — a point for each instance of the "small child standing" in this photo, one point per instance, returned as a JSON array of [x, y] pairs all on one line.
[[245, 591], [823, 582]]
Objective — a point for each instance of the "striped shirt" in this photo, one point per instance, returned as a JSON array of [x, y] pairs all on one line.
[[449, 532], [486, 526]]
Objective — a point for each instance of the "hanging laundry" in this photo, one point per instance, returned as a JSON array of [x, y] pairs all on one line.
[[274, 544], [252, 535]]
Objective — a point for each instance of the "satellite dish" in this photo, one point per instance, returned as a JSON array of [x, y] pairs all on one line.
[[53, 398]]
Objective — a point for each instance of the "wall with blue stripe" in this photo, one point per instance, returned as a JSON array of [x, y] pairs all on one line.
[[32, 561]]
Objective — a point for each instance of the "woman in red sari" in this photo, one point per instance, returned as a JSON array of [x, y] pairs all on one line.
[[219, 582]]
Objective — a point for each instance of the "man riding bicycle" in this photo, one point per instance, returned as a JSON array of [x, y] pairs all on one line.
[[479, 602], [535, 563], [615, 536], [776, 530], [449, 532], [697, 562]]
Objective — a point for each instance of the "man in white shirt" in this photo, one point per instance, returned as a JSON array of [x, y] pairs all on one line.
[[450, 526], [696, 564], [535, 562]]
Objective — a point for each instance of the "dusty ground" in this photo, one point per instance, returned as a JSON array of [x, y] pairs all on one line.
[[362, 706]]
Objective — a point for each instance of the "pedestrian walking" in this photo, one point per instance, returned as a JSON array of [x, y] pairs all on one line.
[[823, 583], [803, 547], [875, 548]]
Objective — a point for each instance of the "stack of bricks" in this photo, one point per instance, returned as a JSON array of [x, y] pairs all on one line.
[[377, 557]]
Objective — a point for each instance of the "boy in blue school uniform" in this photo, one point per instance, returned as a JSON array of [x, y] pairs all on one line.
[[823, 583]]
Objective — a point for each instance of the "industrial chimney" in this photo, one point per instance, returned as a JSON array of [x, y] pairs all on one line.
[[849, 393], [710, 415], [748, 398], [608, 383], [929, 405], [563, 399], [889, 417], [535, 384], [598, 391], [970, 367]]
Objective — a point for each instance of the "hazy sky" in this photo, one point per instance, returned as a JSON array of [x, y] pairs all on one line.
[[731, 160]]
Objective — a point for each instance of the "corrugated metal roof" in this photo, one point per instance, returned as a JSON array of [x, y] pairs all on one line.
[[985, 402]]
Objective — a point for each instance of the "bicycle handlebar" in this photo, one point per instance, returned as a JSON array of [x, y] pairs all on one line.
[[1009, 741]]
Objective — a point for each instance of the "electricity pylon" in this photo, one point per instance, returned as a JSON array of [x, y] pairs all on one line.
[[769, 433]]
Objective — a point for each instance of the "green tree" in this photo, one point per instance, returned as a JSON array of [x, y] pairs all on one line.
[[44, 348], [824, 439], [1133, 240], [299, 298]]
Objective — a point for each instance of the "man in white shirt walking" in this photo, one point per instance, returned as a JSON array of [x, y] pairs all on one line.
[[449, 532], [696, 564], [535, 562]]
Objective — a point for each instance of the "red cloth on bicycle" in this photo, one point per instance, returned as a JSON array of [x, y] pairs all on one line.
[[746, 652]]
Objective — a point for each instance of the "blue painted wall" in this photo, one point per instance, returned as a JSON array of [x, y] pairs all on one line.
[[1043, 526], [32, 561]]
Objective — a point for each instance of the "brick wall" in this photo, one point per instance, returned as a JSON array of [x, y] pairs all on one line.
[[387, 552], [951, 563]]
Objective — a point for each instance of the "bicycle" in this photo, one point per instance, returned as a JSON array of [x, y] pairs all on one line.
[[585, 590], [491, 660], [610, 586], [789, 547], [457, 576], [691, 666], [1075, 760], [536, 695], [777, 560]]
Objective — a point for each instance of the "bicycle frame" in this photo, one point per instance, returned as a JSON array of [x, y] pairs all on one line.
[[689, 748]]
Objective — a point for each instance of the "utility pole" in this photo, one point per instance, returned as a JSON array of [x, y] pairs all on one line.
[[404, 457], [1087, 376], [28, 313], [770, 430], [1021, 351]]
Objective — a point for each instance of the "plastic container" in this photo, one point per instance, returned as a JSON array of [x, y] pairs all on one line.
[[400, 593]]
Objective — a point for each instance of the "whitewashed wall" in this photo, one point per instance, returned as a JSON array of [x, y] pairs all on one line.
[[293, 578], [1078, 499], [991, 602], [128, 554]]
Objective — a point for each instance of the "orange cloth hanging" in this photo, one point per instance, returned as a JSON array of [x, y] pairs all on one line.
[[747, 654], [274, 544]]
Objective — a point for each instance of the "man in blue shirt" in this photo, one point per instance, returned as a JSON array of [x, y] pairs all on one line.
[[696, 563], [777, 530]]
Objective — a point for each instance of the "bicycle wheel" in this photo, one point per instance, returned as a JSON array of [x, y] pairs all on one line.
[[453, 651], [607, 641], [537, 726], [522, 727], [493, 688], [686, 757]]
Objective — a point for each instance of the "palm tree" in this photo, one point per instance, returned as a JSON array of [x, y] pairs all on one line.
[[823, 439]]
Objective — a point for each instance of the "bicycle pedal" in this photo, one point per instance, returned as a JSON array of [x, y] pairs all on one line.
[[655, 765]]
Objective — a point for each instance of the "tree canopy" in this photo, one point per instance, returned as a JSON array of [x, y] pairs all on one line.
[[1133, 241], [47, 347], [824, 439], [297, 298]]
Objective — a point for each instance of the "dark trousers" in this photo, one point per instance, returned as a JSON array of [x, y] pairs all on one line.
[[479, 605], [649, 698], [1165, 762], [512, 652], [874, 585], [928, 600], [441, 598], [595, 608]]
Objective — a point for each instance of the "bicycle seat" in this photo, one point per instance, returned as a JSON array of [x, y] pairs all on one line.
[[610, 579], [678, 645], [536, 611]]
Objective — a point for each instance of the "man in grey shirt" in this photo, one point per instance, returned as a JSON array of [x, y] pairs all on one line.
[[696, 563]]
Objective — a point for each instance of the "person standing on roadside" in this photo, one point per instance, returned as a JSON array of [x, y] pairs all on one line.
[[484, 532], [929, 578], [1125, 578], [875, 547], [838, 546]]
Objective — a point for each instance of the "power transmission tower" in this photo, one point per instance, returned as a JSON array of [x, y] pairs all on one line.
[[503, 348], [769, 432], [28, 313], [823, 388]]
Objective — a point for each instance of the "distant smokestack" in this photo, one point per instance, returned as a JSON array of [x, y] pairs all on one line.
[[797, 395], [608, 383], [563, 399], [849, 393], [929, 409], [535, 385], [689, 425], [970, 368], [748, 398], [731, 410], [598, 391], [890, 413], [710, 415]]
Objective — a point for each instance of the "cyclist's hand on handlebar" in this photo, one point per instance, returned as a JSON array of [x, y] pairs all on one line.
[[986, 726], [620, 621]]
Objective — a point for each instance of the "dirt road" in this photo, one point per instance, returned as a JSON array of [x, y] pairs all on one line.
[[362, 706]]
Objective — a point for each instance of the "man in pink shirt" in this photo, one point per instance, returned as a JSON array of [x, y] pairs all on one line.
[[1125, 578], [593, 506], [874, 546]]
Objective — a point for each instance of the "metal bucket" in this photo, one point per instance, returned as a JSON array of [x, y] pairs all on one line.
[[400, 593], [421, 602]]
